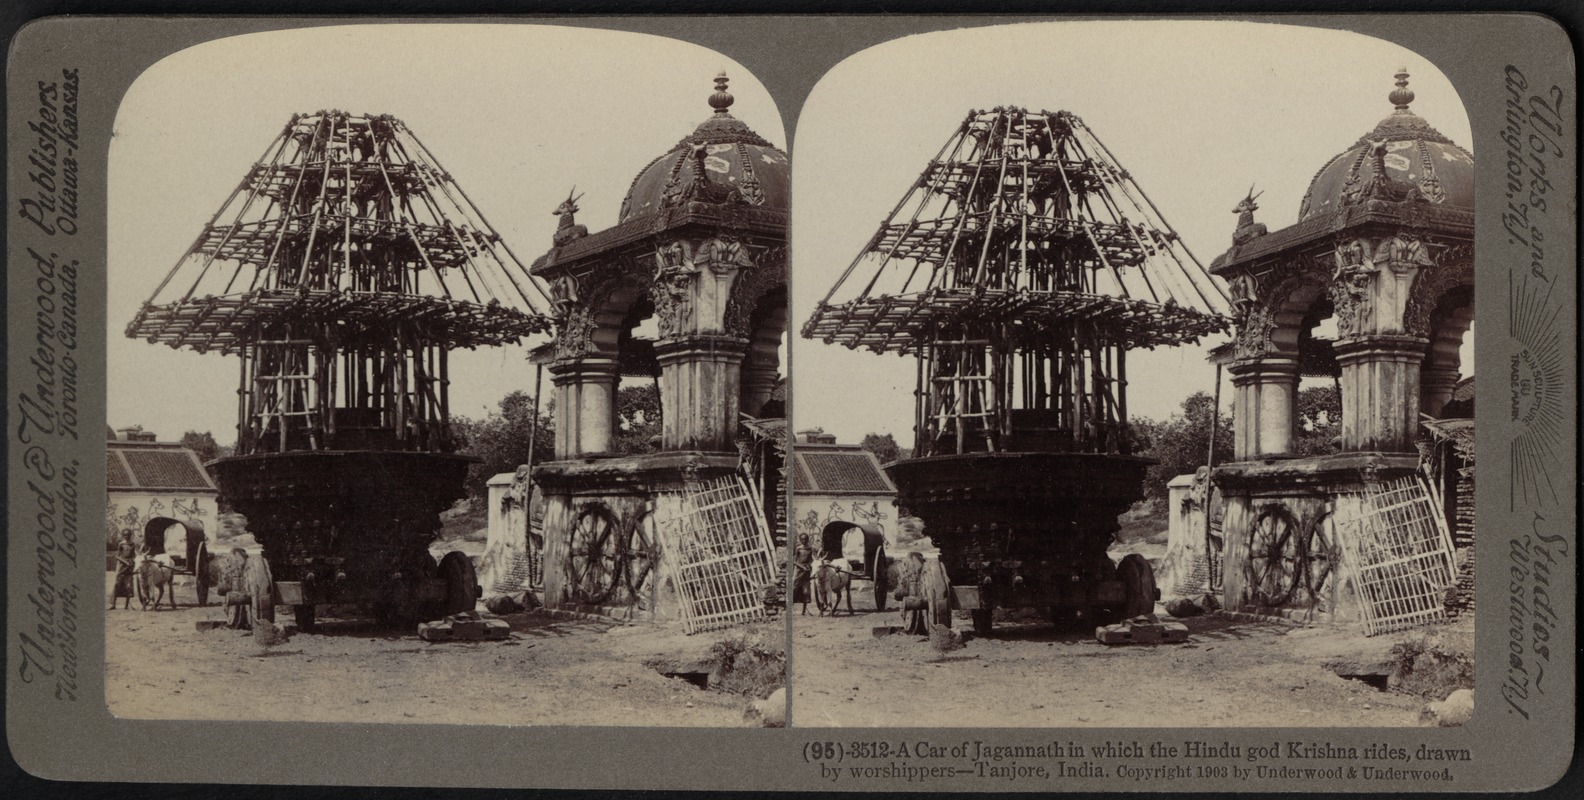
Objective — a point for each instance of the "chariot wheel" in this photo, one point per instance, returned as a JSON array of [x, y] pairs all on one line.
[[880, 586], [593, 563], [200, 568], [983, 621], [461, 583], [1138, 581], [638, 561], [1273, 558], [1322, 555]]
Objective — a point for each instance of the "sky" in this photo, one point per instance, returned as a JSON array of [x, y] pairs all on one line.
[[518, 114], [1195, 110]]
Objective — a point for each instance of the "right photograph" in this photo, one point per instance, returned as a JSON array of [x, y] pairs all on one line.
[[1135, 384]]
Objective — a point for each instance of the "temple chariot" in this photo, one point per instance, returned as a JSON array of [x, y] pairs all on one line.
[[1019, 270], [340, 272]]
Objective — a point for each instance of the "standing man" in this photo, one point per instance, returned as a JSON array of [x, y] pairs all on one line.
[[802, 571], [248, 588], [126, 552], [234, 587]]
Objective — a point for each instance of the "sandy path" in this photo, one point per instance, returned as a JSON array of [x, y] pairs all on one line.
[[550, 672], [1026, 674]]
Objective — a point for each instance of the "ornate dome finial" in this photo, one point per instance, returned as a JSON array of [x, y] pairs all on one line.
[[1402, 95], [721, 99]]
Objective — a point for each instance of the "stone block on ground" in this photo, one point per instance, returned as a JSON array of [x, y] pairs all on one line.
[[511, 603], [503, 604], [464, 627], [1143, 630], [945, 639]]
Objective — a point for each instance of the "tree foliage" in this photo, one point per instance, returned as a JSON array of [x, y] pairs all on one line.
[[1181, 443], [638, 418], [1319, 415], [204, 445], [501, 439], [883, 445]]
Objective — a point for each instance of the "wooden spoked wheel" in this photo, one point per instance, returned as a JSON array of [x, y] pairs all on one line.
[[1322, 555], [200, 568], [880, 586], [638, 561], [1274, 557], [593, 562]]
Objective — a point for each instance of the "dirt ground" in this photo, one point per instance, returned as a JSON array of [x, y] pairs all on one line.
[[1229, 674], [549, 672]]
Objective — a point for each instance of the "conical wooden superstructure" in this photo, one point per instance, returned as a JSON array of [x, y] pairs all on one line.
[[1020, 268], [341, 271]]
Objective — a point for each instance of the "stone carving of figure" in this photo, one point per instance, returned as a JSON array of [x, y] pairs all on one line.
[[1402, 253], [723, 255], [1353, 286], [1254, 334], [574, 332], [568, 229], [563, 295], [1244, 290], [673, 286], [1381, 185], [701, 187], [1247, 228], [676, 257]]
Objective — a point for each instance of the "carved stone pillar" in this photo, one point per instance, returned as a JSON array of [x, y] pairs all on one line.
[[1435, 388], [700, 384], [585, 406], [1380, 392], [1265, 392], [761, 372]]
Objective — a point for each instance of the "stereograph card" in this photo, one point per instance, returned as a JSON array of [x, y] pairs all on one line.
[[814, 403]]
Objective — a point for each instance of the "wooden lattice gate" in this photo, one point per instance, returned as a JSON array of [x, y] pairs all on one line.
[[1398, 554], [717, 553]]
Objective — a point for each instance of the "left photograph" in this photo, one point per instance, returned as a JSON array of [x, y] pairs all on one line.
[[445, 382]]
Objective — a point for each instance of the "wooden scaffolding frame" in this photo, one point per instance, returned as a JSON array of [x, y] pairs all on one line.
[[1020, 268], [341, 270]]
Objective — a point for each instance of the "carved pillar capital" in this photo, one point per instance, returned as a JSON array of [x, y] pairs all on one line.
[[586, 370], [695, 281], [1263, 370]]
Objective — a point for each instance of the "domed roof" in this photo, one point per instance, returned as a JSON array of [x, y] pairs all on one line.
[[1414, 157], [722, 161]]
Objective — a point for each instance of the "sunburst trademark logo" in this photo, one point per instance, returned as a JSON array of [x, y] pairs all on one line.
[[1535, 385]]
